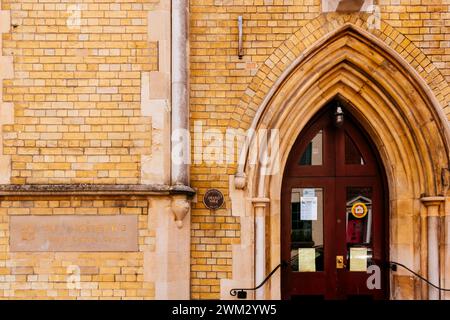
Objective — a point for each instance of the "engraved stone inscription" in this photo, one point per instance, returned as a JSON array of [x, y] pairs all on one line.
[[74, 233]]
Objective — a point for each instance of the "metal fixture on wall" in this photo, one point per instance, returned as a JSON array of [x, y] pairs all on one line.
[[339, 117], [241, 48]]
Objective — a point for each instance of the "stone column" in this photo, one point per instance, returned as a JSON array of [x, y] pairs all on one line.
[[180, 94], [259, 205], [432, 204], [446, 249]]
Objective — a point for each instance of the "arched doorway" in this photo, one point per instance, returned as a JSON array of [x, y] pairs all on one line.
[[405, 122], [334, 212]]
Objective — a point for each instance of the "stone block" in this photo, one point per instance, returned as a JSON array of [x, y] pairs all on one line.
[[6, 70], [6, 113], [158, 25], [5, 21], [159, 85], [5, 169], [346, 5]]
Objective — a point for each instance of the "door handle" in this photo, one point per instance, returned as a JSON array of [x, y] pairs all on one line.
[[340, 262]]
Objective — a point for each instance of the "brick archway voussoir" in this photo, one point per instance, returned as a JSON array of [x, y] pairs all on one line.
[[308, 37]]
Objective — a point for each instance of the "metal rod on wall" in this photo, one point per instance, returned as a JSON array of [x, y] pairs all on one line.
[[241, 48]]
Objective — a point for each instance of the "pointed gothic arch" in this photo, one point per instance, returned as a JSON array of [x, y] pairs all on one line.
[[398, 110]]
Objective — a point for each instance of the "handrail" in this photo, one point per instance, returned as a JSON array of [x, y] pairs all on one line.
[[242, 292], [393, 265]]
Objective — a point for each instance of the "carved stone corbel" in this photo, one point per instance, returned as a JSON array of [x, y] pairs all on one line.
[[240, 180], [180, 206]]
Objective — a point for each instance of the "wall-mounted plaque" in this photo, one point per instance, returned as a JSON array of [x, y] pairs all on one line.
[[213, 199], [74, 233]]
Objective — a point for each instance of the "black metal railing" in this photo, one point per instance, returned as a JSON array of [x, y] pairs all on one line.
[[241, 293]]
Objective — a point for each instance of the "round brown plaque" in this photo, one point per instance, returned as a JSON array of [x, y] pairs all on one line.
[[213, 199]]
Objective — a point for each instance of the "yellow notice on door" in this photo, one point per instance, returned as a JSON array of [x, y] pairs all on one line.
[[358, 259], [306, 259]]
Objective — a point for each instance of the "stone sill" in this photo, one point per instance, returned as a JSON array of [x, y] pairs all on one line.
[[93, 189]]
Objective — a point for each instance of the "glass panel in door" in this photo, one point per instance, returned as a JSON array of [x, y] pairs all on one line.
[[352, 153], [359, 228], [313, 154], [307, 250]]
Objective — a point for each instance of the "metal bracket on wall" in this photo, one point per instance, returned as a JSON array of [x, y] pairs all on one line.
[[241, 48]]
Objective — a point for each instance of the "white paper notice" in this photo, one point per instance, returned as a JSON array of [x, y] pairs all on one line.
[[358, 259], [306, 259], [308, 208]]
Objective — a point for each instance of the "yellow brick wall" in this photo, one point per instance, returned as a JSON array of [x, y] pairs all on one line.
[[218, 81], [220, 86], [76, 91], [425, 23], [102, 275], [77, 116]]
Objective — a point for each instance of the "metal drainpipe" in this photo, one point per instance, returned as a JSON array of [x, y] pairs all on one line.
[[180, 99]]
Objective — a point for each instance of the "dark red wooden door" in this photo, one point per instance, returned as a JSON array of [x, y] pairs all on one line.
[[333, 213]]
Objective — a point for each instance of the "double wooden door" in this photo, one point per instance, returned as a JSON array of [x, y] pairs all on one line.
[[333, 213]]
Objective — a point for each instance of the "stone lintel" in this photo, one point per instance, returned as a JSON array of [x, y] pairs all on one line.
[[93, 190]]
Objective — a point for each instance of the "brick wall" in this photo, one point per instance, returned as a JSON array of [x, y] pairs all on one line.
[[424, 22], [222, 85], [76, 116], [102, 275], [76, 90], [77, 110]]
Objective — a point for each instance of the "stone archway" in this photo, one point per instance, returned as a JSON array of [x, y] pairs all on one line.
[[406, 123]]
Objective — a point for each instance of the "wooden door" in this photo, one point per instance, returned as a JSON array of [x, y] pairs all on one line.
[[333, 206]]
